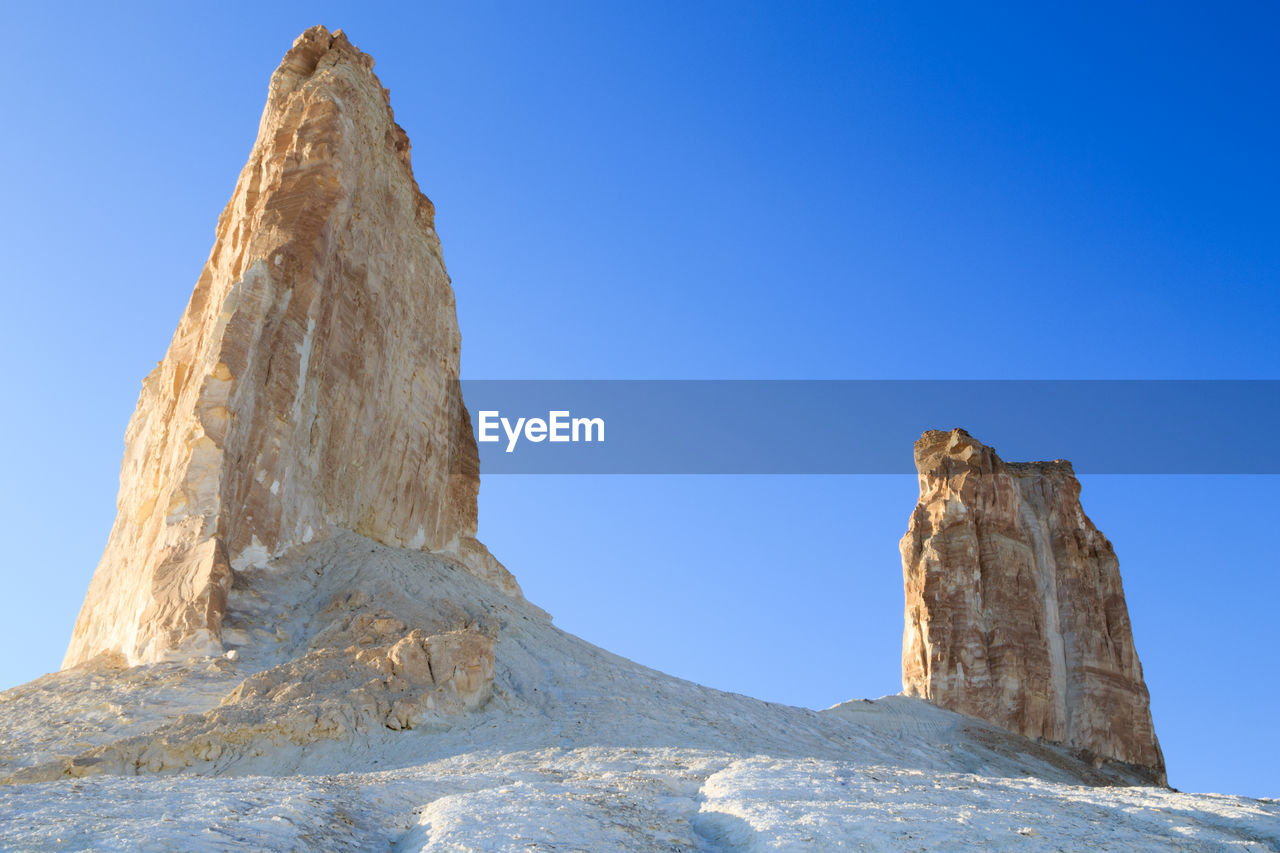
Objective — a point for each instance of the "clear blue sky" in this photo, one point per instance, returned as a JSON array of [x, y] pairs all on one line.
[[706, 191]]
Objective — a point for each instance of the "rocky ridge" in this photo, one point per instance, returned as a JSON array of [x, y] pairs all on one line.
[[574, 748]]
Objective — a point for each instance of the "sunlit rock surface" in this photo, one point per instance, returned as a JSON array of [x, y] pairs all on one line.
[[572, 747], [1014, 608], [312, 382], [295, 643]]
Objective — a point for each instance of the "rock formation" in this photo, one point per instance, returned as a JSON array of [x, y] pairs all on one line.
[[383, 686], [1014, 608], [312, 382], [329, 694]]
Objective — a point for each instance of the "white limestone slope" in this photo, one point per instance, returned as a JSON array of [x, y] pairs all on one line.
[[576, 749]]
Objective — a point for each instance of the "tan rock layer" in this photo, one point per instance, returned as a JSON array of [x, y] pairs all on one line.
[[411, 681], [312, 381], [1015, 612]]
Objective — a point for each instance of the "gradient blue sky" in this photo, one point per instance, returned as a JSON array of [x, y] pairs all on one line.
[[705, 191]]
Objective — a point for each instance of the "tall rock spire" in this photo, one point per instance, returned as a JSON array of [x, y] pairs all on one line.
[[312, 381], [1014, 608]]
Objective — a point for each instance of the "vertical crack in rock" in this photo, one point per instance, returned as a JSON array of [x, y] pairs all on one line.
[[1046, 574], [312, 382], [1015, 612]]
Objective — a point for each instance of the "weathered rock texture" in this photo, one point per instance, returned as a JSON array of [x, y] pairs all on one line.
[[408, 681], [312, 382], [1014, 608]]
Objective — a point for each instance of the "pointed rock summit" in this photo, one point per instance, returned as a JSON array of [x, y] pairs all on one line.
[[312, 383], [1014, 608]]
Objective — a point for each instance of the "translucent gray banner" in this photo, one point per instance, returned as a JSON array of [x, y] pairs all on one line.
[[868, 427]]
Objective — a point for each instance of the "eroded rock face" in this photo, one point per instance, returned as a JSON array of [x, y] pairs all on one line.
[[331, 693], [1014, 608], [312, 382]]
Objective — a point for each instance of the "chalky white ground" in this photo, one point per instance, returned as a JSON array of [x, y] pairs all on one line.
[[577, 749]]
